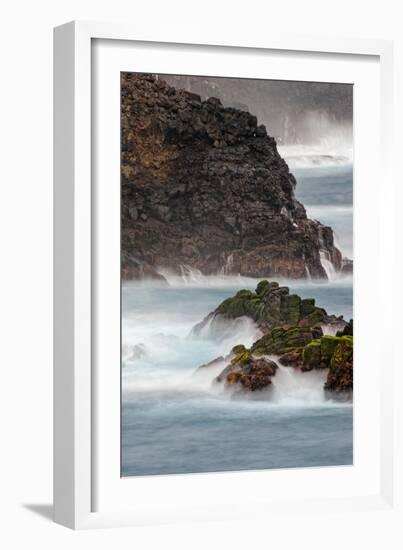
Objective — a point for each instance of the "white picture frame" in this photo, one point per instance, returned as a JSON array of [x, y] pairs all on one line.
[[80, 432]]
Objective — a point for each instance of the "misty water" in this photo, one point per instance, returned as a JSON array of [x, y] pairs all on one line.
[[175, 420], [327, 194]]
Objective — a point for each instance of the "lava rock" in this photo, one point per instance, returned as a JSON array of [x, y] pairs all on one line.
[[340, 377], [272, 305], [197, 170], [246, 373]]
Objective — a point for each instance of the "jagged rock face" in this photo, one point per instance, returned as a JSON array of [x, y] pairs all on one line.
[[340, 377], [327, 352], [204, 186], [246, 372], [292, 331], [272, 306], [285, 340]]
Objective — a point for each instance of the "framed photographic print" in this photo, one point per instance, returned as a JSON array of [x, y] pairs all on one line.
[[220, 231]]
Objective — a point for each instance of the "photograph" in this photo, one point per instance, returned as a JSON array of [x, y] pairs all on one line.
[[236, 274], [201, 216]]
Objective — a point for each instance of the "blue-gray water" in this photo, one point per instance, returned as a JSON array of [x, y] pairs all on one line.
[[175, 421], [327, 194]]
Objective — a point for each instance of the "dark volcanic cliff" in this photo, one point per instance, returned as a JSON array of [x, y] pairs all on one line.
[[203, 186]]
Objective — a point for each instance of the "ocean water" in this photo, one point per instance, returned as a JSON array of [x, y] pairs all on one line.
[[174, 420], [327, 194]]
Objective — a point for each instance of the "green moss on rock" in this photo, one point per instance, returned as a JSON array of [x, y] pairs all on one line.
[[232, 307], [290, 308], [342, 353], [264, 345], [238, 349], [262, 286], [272, 305], [311, 355], [328, 344], [242, 357], [340, 377], [307, 306], [317, 316], [282, 340], [245, 294], [325, 352]]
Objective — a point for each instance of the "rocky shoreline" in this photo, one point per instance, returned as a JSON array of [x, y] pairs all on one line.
[[203, 186], [293, 336]]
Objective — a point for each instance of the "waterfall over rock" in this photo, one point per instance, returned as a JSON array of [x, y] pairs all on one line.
[[327, 264]]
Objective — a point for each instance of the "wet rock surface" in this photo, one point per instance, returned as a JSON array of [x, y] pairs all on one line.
[[292, 335], [272, 305], [204, 186], [340, 378], [247, 373]]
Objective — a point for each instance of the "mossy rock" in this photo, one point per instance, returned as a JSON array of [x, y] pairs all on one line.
[[278, 332], [328, 344], [285, 349], [340, 377], [253, 307], [297, 337], [342, 353], [253, 375], [232, 307], [242, 357], [290, 308], [245, 294], [225, 305], [240, 348], [311, 355], [293, 300], [274, 285], [298, 341], [245, 302], [319, 352], [348, 338], [296, 331], [262, 286], [272, 305], [316, 317], [265, 288], [281, 340], [325, 352], [307, 306], [264, 345]]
